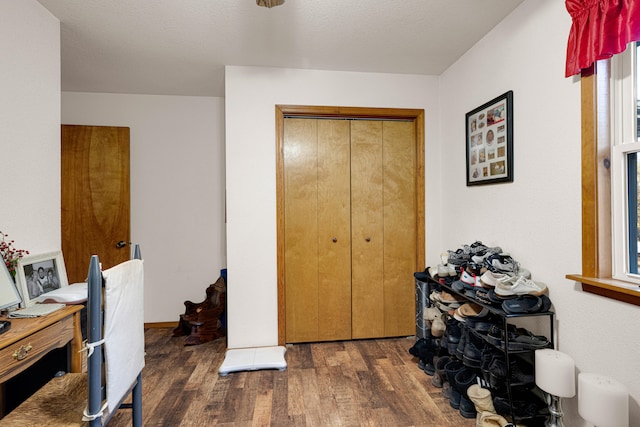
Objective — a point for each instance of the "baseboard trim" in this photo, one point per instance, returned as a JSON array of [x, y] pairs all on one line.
[[161, 325]]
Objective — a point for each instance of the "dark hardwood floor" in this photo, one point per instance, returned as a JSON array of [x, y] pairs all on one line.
[[350, 383]]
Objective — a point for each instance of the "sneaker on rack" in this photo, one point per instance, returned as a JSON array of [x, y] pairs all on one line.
[[505, 264], [458, 257], [434, 296], [451, 270], [519, 285], [479, 257], [502, 263], [467, 280], [475, 268], [523, 272], [442, 271], [444, 258], [476, 247], [490, 279]]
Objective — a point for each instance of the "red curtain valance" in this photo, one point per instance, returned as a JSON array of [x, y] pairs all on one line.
[[600, 29]]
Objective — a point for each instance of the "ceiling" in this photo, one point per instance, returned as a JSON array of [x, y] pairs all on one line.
[[180, 47]]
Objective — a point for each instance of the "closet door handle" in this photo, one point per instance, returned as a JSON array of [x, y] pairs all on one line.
[[334, 240], [367, 239]]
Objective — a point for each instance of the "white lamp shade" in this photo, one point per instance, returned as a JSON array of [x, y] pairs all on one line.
[[603, 401], [555, 372]]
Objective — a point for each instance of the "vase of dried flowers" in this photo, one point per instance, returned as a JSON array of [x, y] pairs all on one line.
[[10, 255]]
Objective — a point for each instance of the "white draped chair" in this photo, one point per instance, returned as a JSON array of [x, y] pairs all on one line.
[[115, 345]]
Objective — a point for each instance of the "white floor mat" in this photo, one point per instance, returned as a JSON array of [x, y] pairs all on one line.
[[253, 359]]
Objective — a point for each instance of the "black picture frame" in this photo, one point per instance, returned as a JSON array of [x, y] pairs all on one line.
[[489, 133]]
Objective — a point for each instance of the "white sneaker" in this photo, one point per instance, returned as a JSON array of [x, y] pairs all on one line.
[[468, 278], [452, 270], [434, 296], [524, 273], [490, 279], [444, 257], [519, 285], [443, 271], [433, 271]]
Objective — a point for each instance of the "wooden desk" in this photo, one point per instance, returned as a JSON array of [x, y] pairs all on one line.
[[29, 340]]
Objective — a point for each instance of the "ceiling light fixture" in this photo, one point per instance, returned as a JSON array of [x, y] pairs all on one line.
[[269, 3]]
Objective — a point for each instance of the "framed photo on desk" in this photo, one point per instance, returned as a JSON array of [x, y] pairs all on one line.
[[9, 296], [39, 274]]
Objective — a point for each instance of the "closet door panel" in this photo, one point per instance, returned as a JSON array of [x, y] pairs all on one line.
[[301, 229], [400, 231], [334, 230], [367, 229]]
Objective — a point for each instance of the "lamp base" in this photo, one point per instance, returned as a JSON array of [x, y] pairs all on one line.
[[555, 411]]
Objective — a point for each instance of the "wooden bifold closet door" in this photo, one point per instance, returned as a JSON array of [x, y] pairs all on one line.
[[350, 228]]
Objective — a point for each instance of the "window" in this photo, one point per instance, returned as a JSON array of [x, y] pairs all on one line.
[[625, 181], [610, 180]]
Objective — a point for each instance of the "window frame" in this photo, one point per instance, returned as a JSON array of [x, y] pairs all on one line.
[[597, 255], [624, 142]]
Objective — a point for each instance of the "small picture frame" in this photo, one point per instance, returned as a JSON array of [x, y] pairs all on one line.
[[9, 296], [40, 274], [489, 131]]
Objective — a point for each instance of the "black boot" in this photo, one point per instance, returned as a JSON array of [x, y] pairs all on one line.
[[464, 379], [440, 377], [452, 368]]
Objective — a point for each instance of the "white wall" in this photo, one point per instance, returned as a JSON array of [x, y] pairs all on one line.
[[177, 188], [177, 173], [30, 126], [251, 96], [537, 217]]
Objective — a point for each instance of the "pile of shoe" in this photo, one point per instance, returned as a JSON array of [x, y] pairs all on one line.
[[491, 277], [466, 367], [445, 272], [467, 350]]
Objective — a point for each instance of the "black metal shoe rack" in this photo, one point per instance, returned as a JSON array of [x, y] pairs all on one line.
[[424, 290]]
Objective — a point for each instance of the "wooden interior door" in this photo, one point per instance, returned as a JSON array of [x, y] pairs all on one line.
[[95, 197], [384, 232], [316, 230], [334, 230], [400, 227], [367, 230]]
